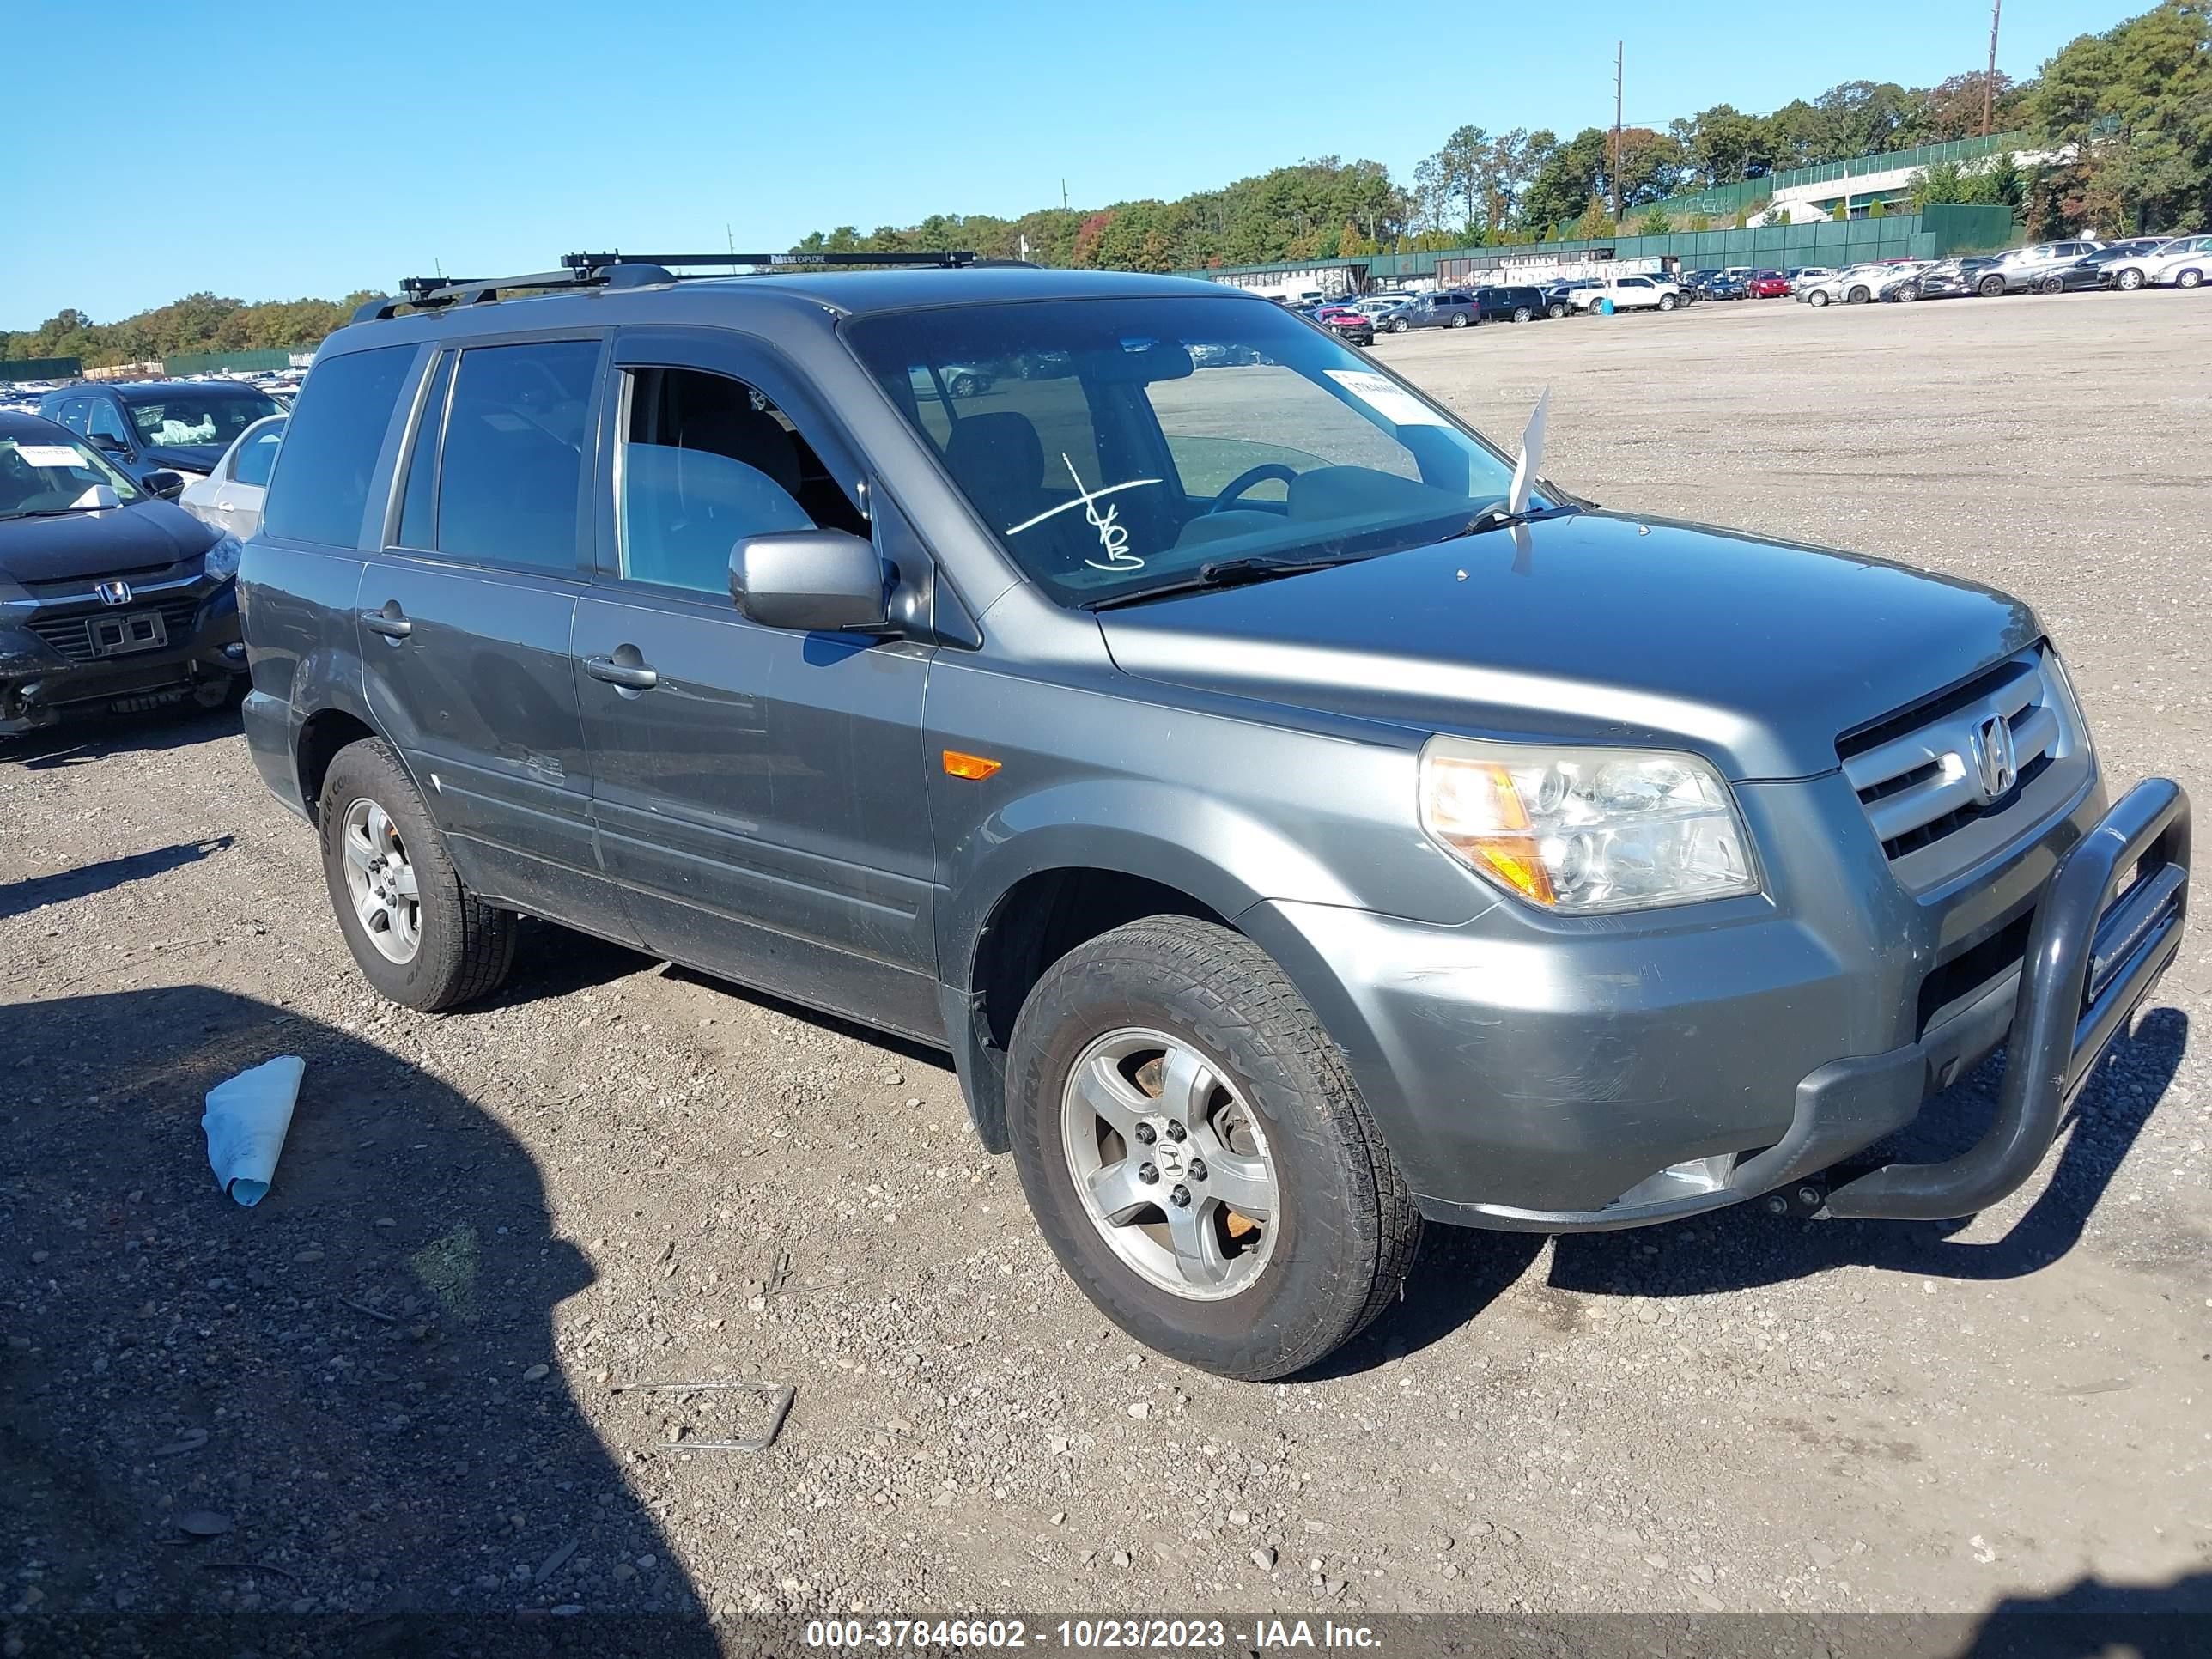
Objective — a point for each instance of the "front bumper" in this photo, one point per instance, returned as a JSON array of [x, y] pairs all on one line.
[[1620, 1080], [49, 670]]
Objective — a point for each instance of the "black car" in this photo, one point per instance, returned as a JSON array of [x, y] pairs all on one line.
[[1521, 304], [1722, 286], [2104, 260], [111, 598], [1559, 298], [148, 426]]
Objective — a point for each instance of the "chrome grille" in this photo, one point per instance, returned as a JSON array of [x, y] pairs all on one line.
[[72, 635], [1962, 756]]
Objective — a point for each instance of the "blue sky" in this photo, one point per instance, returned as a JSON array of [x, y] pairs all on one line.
[[276, 151]]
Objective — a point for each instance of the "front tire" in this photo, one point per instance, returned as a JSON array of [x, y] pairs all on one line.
[[1198, 1155], [2190, 278], [2054, 285], [1556, 312], [1666, 302], [1991, 287], [1459, 320], [421, 938], [2130, 281], [1399, 325], [1817, 298]]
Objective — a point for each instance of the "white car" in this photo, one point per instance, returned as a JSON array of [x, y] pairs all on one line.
[[1629, 294], [229, 498], [1802, 279], [1854, 285], [2184, 262]]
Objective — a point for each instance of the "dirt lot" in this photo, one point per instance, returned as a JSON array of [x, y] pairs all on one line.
[[395, 1381]]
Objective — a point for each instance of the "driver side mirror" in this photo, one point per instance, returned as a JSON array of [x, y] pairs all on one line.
[[163, 485], [110, 443], [810, 580]]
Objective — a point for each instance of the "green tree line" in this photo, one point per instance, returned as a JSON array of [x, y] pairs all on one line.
[[2125, 118]]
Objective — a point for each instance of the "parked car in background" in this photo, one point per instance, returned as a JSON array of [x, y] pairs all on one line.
[[1853, 285], [2184, 262], [1448, 307], [111, 598], [1806, 276], [1520, 304], [1947, 279], [1559, 298], [160, 426], [1629, 294], [1769, 285], [229, 498], [1355, 327], [2038, 267], [1725, 287]]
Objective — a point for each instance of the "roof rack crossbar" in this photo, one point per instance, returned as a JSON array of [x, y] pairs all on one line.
[[617, 269], [593, 262]]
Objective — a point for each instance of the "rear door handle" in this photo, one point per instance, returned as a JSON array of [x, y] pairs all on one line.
[[630, 678], [387, 622]]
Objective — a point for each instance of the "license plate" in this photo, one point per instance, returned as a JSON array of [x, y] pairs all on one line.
[[135, 630]]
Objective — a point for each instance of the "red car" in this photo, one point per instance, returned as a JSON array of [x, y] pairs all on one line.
[[1769, 285], [1350, 326]]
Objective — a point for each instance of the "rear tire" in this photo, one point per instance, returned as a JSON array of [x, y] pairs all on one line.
[[462, 947], [1521, 313], [1556, 312], [1459, 320], [1120, 1021]]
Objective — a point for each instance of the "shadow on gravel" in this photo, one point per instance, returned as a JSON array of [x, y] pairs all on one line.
[[326, 1425], [1459, 1272], [2090, 1618], [16, 897], [90, 737], [1739, 1248]]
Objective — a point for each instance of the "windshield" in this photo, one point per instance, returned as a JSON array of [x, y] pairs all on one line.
[[197, 417], [38, 478], [1117, 446]]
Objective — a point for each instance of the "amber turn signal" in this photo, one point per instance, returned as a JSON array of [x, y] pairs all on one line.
[[968, 766]]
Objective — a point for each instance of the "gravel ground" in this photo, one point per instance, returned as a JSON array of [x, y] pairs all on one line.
[[393, 1386]]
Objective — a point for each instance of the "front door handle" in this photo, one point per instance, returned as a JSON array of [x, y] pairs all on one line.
[[387, 622], [631, 677]]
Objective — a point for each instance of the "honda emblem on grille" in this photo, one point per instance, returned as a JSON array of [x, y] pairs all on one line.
[[114, 592], [1995, 758]]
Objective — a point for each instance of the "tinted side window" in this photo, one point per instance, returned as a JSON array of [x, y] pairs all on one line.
[[331, 445], [105, 422], [417, 512], [513, 466]]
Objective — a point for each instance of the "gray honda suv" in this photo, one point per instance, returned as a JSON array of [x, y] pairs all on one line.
[[1295, 823]]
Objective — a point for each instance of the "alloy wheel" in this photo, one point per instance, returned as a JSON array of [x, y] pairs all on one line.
[[381, 882], [1170, 1163]]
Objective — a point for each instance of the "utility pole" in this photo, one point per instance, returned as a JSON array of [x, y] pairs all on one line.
[[1619, 57], [1990, 85], [1063, 196]]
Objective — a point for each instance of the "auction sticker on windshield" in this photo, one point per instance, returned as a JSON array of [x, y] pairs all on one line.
[[49, 455], [1391, 401]]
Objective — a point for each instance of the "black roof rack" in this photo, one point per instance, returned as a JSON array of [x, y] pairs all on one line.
[[617, 269]]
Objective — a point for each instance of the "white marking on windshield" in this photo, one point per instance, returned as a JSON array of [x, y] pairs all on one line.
[[1069, 507], [1113, 536]]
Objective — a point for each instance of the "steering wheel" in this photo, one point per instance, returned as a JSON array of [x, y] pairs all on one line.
[[1244, 480]]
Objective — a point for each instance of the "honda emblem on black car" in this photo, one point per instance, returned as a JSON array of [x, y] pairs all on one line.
[[1995, 756], [114, 592]]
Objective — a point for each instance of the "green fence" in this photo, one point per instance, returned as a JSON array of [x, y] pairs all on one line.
[[1935, 234], [41, 368], [1725, 201], [214, 362]]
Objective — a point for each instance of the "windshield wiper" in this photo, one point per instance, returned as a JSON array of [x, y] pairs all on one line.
[[55, 512], [1496, 518], [1229, 573]]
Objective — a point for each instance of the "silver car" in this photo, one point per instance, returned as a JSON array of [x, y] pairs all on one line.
[[229, 498]]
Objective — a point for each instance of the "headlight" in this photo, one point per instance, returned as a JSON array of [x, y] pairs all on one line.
[[1586, 830], [222, 557]]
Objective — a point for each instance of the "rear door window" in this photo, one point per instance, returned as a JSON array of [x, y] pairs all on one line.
[[256, 455], [511, 476], [330, 449]]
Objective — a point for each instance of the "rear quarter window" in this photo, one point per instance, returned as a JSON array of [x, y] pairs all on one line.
[[321, 491]]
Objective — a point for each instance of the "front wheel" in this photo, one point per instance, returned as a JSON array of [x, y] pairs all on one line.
[[2130, 281], [1399, 325], [1991, 287], [1817, 297], [1666, 302], [1555, 312], [421, 938], [2054, 285], [1459, 320], [1858, 296], [1197, 1154]]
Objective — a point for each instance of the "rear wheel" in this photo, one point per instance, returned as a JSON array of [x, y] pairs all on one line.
[[421, 938], [1556, 310], [1459, 320], [1521, 313], [963, 385], [1197, 1153]]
